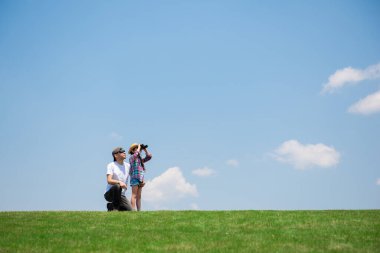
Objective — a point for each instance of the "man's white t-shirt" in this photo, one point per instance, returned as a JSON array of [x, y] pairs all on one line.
[[119, 172]]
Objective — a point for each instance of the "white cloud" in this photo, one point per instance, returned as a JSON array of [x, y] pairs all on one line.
[[306, 156], [204, 172], [349, 75], [115, 136], [378, 181], [168, 187], [367, 105], [233, 163]]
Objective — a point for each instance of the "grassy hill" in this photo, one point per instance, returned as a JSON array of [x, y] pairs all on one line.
[[191, 231]]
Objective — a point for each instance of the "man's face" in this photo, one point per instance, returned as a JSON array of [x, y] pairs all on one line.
[[121, 155]]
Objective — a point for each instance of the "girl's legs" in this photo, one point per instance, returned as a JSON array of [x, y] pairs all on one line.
[[135, 189], [138, 199]]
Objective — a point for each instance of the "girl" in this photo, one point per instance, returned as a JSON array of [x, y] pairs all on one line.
[[136, 172]]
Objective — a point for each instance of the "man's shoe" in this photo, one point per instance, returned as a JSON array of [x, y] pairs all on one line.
[[110, 207]]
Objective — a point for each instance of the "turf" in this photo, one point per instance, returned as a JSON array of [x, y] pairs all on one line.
[[191, 231]]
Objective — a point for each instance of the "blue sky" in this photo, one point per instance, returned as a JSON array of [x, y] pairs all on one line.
[[245, 104]]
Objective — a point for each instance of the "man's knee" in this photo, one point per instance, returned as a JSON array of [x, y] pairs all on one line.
[[125, 208], [125, 205], [106, 197], [116, 187]]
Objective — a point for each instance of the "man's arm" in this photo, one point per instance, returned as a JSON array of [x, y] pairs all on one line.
[[113, 181]]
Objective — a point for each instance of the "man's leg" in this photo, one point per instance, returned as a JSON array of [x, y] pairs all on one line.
[[113, 195], [124, 204]]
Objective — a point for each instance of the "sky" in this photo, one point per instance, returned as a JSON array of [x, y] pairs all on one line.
[[258, 105]]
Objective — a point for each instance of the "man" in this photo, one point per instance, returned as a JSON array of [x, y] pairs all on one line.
[[117, 176]]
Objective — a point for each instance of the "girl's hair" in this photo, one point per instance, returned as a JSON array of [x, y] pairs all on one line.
[[142, 163], [132, 151], [141, 160]]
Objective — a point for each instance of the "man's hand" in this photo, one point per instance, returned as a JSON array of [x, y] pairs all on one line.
[[122, 185]]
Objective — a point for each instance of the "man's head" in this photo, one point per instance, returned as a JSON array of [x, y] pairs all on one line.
[[119, 154]]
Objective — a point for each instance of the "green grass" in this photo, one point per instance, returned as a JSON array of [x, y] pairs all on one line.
[[191, 231]]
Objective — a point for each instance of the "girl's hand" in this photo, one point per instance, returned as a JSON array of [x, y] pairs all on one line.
[[142, 184]]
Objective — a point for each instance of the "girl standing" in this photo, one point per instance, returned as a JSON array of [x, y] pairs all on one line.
[[136, 172]]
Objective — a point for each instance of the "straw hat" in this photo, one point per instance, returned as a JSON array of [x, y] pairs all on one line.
[[134, 145]]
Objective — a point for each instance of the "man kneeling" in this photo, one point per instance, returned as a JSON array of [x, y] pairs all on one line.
[[117, 178]]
